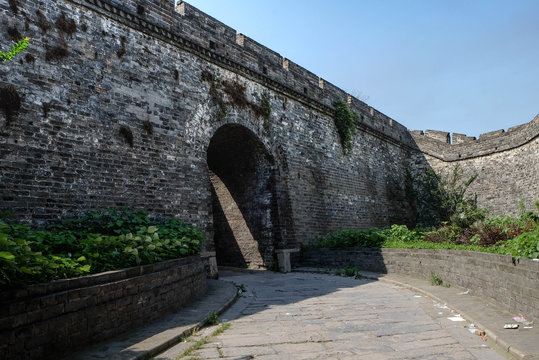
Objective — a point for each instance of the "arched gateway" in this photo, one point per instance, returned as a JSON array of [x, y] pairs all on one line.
[[244, 203]]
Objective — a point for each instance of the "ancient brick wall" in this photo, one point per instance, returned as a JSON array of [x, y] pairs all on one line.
[[506, 164], [167, 77], [46, 321], [121, 100], [512, 283]]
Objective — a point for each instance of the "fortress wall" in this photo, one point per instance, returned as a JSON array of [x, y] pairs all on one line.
[[506, 162], [73, 158], [509, 282]]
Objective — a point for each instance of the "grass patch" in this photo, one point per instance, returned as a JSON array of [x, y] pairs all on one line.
[[200, 343]]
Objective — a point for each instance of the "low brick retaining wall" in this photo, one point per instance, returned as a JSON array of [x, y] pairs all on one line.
[[512, 283], [45, 321]]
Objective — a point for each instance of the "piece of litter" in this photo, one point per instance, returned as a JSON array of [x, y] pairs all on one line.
[[440, 313], [522, 320], [417, 296], [456, 318], [440, 306], [527, 327], [464, 292], [480, 332], [510, 326], [535, 259], [484, 338], [472, 331]]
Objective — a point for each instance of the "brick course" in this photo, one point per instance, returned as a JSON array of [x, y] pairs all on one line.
[[45, 321]]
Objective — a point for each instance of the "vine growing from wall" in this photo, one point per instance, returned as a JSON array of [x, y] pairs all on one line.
[[344, 121], [19, 47]]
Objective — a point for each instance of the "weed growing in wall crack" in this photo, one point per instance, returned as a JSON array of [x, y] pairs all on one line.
[[19, 47], [344, 121]]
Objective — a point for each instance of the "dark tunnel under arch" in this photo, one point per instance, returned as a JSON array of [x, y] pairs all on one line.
[[244, 207]]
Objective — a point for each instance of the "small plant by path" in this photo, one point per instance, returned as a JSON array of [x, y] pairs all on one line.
[[348, 271], [197, 345], [240, 289], [211, 319], [436, 280]]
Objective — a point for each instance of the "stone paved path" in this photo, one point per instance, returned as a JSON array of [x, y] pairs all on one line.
[[317, 316]]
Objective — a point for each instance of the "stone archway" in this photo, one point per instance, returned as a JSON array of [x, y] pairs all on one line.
[[244, 205]]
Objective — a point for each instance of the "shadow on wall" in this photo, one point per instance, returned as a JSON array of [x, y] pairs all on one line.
[[244, 206]]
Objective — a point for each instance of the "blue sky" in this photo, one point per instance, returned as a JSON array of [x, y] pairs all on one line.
[[465, 66]]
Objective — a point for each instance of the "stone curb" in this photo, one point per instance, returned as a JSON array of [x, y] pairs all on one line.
[[518, 353], [494, 335], [153, 339]]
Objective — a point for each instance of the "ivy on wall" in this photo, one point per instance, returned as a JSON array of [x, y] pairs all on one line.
[[344, 121]]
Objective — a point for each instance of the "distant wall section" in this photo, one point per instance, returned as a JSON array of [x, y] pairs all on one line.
[[506, 162]]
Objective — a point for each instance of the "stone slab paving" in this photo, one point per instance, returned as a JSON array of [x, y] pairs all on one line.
[[321, 316]]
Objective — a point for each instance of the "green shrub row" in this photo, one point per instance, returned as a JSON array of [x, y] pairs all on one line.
[[518, 237], [95, 242]]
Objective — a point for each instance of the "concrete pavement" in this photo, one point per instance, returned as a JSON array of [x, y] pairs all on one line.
[[308, 315], [322, 316]]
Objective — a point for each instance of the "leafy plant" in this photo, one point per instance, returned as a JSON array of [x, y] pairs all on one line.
[[19, 47], [107, 221], [515, 236], [439, 199], [435, 280], [524, 245], [344, 121], [211, 319], [98, 241], [351, 238]]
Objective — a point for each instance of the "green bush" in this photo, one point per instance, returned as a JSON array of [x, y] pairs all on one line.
[[108, 240], [351, 238], [400, 234], [440, 199], [448, 233], [515, 236], [525, 245], [106, 222]]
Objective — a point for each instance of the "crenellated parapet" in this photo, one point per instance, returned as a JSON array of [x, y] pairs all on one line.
[[454, 147], [190, 29]]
